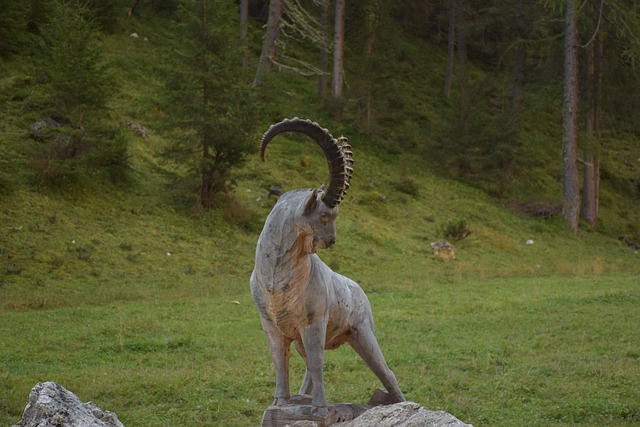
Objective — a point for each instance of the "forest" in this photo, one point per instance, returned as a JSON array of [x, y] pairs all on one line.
[[515, 97], [132, 195]]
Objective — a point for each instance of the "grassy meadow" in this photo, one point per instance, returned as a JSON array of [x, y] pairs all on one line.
[[144, 308]]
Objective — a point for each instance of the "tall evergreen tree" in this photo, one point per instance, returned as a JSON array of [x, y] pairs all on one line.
[[209, 108], [13, 26], [76, 79], [74, 84], [571, 194], [592, 120]]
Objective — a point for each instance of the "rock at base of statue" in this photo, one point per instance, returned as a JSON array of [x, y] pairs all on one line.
[[300, 413], [404, 414], [50, 405], [378, 413]]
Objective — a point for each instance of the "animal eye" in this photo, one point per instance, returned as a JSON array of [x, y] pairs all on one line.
[[325, 218]]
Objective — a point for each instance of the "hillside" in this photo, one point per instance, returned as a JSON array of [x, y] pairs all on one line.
[[80, 240], [399, 198]]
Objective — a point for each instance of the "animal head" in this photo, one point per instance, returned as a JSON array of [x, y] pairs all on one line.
[[317, 210], [317, 224], [337, 151]]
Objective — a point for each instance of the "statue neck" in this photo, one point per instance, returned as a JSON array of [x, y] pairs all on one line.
[[282, 254]]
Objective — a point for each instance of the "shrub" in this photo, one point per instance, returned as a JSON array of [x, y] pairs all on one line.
[[407, 185], [455, 230], [68, 155], [237, 212]]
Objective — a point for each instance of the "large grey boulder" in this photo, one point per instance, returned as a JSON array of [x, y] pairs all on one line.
[[403, 414], [51, 405]]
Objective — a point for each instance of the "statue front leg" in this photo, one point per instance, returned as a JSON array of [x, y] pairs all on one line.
[[280, 349], [313, 339], [307, 385]]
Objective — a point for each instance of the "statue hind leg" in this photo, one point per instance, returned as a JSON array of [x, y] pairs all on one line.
[[366, 345]]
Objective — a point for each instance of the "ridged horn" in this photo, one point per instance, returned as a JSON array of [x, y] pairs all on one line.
[[337, 151]]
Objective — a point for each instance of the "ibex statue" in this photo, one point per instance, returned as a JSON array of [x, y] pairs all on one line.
[[299, 298]]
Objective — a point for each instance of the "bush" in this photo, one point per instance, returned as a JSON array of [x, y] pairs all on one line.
[[407, 185], [68, 155], [237, 212], [455, 230]]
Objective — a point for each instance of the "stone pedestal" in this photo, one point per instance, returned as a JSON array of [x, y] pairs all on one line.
[[300, 412]]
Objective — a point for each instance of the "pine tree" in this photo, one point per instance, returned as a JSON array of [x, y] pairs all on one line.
[[75, 78], [209, 109], [13, 26], [74, 86], [571, 205]]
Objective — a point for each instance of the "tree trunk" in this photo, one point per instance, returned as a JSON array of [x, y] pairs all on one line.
[[265, 63], [338, 56], [597, 116], [206, 184], [519, 64], [591, 181], [461, 47], [133, 7], [514, 123], [461, 36], [244, 31], [571, 195], [451, 47], [324, 50], [588, 180]]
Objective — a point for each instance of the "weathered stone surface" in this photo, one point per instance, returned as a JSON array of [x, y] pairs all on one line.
[[42, 126], [403, 414], [51, 405], [300, 413], [443, 250]]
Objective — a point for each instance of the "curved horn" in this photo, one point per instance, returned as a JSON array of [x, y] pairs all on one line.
[[337, 151]]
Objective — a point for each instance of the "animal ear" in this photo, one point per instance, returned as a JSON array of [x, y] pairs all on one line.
[[312, 202]]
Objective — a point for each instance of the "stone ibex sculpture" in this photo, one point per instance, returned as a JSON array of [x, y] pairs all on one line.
[[299, 298]]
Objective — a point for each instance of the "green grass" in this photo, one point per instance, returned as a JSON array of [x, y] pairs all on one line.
[[536, 351], [143, 307], [146, 311]]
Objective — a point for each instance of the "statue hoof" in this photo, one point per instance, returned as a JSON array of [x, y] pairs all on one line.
[[320, 411], [381, 397], [280, 401]]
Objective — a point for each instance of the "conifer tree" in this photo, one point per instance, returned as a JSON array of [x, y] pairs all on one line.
[[571, 205], [74, 84], [13, 26], [208, 105], [75, 78]]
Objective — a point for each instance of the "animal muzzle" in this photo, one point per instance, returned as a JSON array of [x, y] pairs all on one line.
[[325, 242]]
